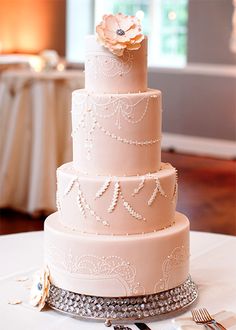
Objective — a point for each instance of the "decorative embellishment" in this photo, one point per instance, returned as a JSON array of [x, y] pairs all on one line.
[[157, 189], [175, 192], [124, 140], [177, 257], [22, 279], [40, 288], [115, 197], [117, 192], [110, 265], [80, 202], [103, 188], [132, 113], [83, 205], [14, 302], [107, 65], [140, 186], [123, 308], [90, 128], [132, 212], [99, 266], [175, 188], [69, 186], [58, 201], [119, 32], [121, 109]]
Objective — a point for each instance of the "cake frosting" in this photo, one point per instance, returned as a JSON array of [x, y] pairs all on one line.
[[116, 232], [127, 124], [120, 205], [128, 73], [117, 266]]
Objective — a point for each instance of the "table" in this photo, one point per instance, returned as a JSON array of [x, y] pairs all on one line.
[[213, 268], [35, 135]]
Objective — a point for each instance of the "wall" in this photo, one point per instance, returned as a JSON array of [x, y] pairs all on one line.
[[200, 100], [209, 30], [30, 26]]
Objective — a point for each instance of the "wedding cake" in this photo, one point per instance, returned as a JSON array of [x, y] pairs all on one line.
[[116, 248]]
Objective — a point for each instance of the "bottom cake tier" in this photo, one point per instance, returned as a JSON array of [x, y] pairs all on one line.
[[117, 266]]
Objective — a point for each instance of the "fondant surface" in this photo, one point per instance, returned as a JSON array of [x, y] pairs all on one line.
[[108, 73], [116, 205], [116, 134], [116, 232], [115, 266]]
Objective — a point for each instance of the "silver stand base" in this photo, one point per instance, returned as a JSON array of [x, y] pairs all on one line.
[[123, 309]]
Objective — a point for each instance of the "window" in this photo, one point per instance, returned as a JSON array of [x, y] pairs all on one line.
[[164, 21]]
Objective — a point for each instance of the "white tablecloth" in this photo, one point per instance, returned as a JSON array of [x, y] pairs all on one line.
[[213, 267], [35, 135]]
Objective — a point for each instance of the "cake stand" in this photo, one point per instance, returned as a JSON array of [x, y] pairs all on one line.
[[124, 309]]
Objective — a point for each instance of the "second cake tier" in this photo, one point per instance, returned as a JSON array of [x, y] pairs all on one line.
[[116, 205], [116, 134]]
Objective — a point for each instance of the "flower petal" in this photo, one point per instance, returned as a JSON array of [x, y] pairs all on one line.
[[117, 52], [133, 47], [111, 23], [108, 37], [100, 30], [124, 22], [139, 38], [133, 32], [123, 38]]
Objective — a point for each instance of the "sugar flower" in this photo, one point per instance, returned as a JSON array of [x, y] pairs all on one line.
[[119, 32], [40, 288]]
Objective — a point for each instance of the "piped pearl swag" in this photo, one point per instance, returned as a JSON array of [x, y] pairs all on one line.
[[90, 114], [122, 108]]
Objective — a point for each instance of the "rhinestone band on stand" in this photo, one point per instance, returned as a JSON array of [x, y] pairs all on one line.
[[119, 309]]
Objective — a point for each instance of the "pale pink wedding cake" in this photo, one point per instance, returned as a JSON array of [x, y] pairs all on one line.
[[116, 248]]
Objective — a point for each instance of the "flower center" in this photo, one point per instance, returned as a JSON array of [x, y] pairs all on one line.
[[40, 286], [120, 32]]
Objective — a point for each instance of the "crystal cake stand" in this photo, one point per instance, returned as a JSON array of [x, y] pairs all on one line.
[[113, 310]]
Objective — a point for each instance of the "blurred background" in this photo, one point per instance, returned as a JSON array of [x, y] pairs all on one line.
[[192, 59]]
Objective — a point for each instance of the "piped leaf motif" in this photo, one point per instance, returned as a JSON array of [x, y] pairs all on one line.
[[69, 186], [175, 192], [140, 186], [132, 212], [158, 189], [103, 188], [80, 202], [115, 197]]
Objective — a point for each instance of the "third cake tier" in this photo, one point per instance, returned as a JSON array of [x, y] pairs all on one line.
[[116, 205], [116, 134]]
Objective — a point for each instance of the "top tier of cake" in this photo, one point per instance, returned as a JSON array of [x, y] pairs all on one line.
[[109, 73]]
